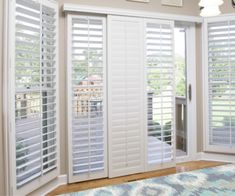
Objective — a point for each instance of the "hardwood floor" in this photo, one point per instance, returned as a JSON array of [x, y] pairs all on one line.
[[182, 167]]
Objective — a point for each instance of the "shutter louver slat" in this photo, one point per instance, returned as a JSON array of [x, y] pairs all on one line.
[[27, 20], [28, 179], [28, 4], [27, 12]]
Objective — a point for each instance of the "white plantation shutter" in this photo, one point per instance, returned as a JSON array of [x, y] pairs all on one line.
[[27, 92], [86, 105], [35, 127], [221, 85], [125, 90], [160, 91], [48, 88]]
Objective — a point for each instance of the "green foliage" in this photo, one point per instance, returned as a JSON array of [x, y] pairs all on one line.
[[180, 76], [166, 134], [227, 119], [155, 83], [167, 128], [20, 154], [157, 127], [219, 70], [27, 77], [86, 66]]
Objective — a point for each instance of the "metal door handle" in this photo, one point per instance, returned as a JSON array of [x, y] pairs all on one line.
[[190, 92]]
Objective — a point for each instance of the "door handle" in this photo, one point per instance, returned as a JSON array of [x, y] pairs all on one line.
[[190, 92]]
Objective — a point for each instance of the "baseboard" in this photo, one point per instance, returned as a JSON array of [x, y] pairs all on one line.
[[44, 190], [228, 158]]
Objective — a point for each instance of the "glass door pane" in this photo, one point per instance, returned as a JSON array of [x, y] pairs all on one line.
[[181, 94]]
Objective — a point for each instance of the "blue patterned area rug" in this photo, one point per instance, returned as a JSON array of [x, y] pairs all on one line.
[[205, 182]]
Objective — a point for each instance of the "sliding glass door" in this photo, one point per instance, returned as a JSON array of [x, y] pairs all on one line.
[[140, 96]]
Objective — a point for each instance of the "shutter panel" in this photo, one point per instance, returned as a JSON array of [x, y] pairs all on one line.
[[87, 121], [35, 90], [48, 89], [160, 91], [27, 97], [125, 95], [221, 85]]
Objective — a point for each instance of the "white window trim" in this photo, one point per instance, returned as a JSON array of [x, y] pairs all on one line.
[[5, 98], [71, 177], [8, 89], [206, 146]]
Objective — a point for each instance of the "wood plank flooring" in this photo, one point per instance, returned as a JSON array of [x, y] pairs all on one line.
[[182, 167]]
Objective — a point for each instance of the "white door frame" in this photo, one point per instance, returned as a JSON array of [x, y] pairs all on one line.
[[191, 80]]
